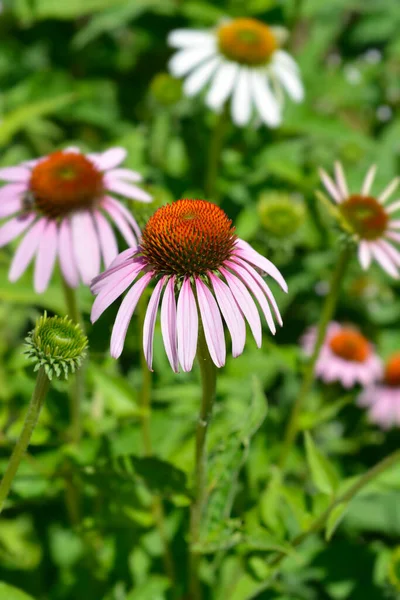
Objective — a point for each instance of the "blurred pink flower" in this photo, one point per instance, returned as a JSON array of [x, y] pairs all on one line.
[[61, 202], [189, 248], [369, 219], [383, 398], [346, 356]]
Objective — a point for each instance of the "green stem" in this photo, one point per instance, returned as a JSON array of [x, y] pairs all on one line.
[[344, 498], [35, 405], [145, 404], [326, 316], [208, 379], [214, 155]]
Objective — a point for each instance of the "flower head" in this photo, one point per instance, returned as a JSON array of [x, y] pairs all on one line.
[[63, 204], [368, 219], [346, 356], [58, 345], [383, 398], [281, 215], [190, 250], [241, 58], [166, 89]]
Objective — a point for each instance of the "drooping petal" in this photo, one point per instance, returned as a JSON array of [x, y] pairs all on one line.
[[212, 323], [388, 191], [368, 181], [330, 186], [168, 324], [107, 240], [12, 191], [125, 313], [86, 245], [115, 287], [46, 256], [109, 159], [124, 174], [120, 222], [183, 38], [390, 251], [394, 207], [26, 250], [66, 254], [127, 189], [125, 213], [290, 81], [118, 265], [222, 85], [9, 207], [266, 103], [394, 224], [19, 174], [150, 321], [393, 235], [245, 303], [187, 321], [341, 180], [244, 250], [185, 60], [231, 313], [14, 227], [285, 59], [364, 254], [383, 259], [199, 78], [241, 100]]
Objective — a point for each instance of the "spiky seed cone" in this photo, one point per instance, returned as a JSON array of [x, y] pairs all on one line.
[[58, 344]]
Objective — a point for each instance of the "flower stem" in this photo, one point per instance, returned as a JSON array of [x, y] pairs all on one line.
[[214, 155], [77, 388], [326, 316], [145, 404], [208, 379], [35, 405]]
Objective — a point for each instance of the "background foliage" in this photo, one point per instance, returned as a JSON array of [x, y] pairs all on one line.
[[81, 72]]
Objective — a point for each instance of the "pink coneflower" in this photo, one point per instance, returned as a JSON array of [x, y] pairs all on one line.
[[383, 399], [368, 218], [189, 248], [346, 356], [62, 202]]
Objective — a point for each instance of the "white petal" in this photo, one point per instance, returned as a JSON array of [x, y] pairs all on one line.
[[290, 81], [341, 180], [185, 60], [222, 85], [265, 101], [330, 186], [284, 58], [368, 181], [364, 254], [241, 101], [200, 76], [388, 191]]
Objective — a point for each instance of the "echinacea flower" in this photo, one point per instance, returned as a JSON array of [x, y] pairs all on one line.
[[383, 398], [346, 356], [240, 58], [189, 249], [369, 218], [63, 203]]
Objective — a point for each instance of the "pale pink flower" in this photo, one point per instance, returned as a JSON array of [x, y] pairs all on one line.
[[370, 218], [383, 398], [64, 203], [346, 356], [189, 249]]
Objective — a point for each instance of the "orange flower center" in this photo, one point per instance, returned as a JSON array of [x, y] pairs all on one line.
[[247, 41], [392, 370], [350, 345], [187, 237], [366, 216], [64, 182]]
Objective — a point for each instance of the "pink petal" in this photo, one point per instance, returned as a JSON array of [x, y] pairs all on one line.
[[126, 189], [231, 313], [105, 278], [10, 207], [124, 174], [187, 326], [168, 324], [107, 241], [368, 181], [212, 323], [383, 259], [388, 191], [330, 186], [150, 321], [122, 257], [393, 235], [26, 250], [109, 159], [115, 286], [14, 227], [254, 288], [391, 251], [66, 255], [125, 213], [244, 250], [46, 257], [364, 254], [15, 174], [341, 180], [245, 303], [125, 314], [394, 207], [120, 222], [12, 191], [86, 245], [395, 224]]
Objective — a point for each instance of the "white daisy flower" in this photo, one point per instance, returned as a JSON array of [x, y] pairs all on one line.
[[241, 59], [370, 218]]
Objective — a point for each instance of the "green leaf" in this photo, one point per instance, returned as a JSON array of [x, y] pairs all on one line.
[[334, 520], [159, 475], [9, 592], [270, 501], [321, 471]]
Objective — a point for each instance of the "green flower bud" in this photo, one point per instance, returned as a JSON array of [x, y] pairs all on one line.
[[160, 195], [280, 215], [166, 89], [57, 344]]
